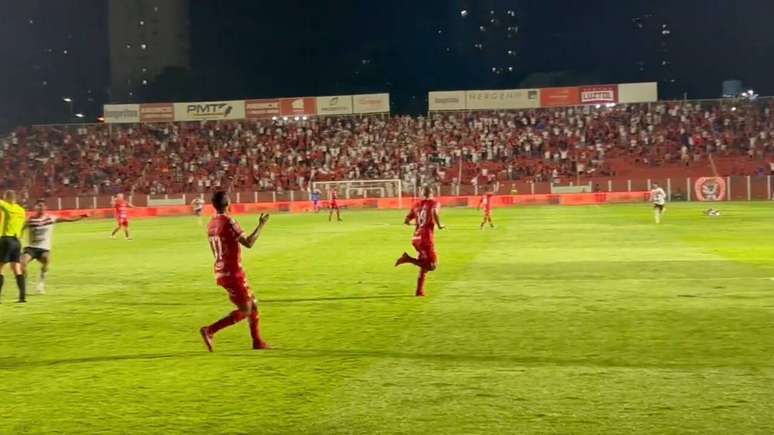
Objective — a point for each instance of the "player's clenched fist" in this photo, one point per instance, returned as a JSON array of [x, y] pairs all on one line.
[[263, 219]]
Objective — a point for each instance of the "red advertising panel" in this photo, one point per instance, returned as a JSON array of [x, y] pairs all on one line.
[[602, 94], [157, 112], [298, 106], [557, 97], [257, 109], [710, 189]]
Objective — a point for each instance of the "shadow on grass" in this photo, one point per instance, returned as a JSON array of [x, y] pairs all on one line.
[[270, 300], [515, 360], [15, 363], [277, 352], [335, 298]]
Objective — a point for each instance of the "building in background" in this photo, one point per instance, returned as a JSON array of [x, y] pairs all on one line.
[[54, 62], [146, 37]]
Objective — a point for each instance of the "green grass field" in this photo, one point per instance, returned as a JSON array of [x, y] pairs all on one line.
[[562, 320]]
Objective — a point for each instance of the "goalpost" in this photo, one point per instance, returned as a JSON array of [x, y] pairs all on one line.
[[362, 189]]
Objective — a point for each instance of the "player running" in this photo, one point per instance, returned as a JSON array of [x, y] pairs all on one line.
[[197, 205], [486, 202], [121, 207], [225, 236], [334, 207], [658, 197], [41, 232], [316, 201], [11, 229], [424, 214]]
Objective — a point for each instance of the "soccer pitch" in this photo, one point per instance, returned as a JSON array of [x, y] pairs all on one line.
[[561, 320]]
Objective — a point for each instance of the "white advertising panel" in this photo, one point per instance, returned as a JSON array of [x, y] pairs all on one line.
[[502, 99], [638, 92], [334, 105], [446, 100], [121, 113], [371, 103], [210, 110]]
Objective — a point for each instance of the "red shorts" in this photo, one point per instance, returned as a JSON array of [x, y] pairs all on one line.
[[122, 222], [334, 205], [426, 250], [238, 289]]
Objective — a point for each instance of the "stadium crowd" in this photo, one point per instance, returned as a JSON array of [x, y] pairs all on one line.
[[532, 145]]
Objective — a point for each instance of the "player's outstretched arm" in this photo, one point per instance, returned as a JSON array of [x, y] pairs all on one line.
[[73, 219], [249, 241], [438, 219], [410, 218]]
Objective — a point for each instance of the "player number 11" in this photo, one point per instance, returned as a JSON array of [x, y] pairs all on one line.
[[217, 247]]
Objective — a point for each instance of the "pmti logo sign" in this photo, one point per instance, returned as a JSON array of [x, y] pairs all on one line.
[[209, 110]]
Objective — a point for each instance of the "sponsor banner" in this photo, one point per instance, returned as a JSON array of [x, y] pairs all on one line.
[[210, 110], [334, 105], [257, 109], [371, 103], [557, 97], [638, 92], [121, 113], [306, 106], [503, 99], [710, 189], [165, 202], [157, 112], [446, 100], [601, 94], [570, 189]]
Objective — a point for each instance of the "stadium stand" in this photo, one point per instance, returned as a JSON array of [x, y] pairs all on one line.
[[540, 145]]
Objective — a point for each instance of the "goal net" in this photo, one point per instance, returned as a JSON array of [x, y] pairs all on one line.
[[360, 189]]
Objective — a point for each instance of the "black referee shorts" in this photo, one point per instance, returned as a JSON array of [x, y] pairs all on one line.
[[10, 250]]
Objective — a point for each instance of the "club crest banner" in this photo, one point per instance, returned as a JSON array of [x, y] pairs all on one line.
[[710, 189]]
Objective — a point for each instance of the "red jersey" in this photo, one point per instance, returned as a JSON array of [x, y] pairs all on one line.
[[424, 219], [334, 196], [486, 201], [224, 233], [121, 209]]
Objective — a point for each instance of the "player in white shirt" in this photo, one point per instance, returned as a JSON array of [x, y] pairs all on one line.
[[41, 232], [658, 197], [197, 205]]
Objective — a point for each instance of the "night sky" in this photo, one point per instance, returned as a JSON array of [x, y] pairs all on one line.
[[256, 48]]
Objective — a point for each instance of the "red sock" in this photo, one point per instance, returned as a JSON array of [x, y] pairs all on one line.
[[422, 264], [421, 282], [412, 260], [255, 330], [234, 317]]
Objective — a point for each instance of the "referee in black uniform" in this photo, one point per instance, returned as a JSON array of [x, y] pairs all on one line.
[[12, 218]]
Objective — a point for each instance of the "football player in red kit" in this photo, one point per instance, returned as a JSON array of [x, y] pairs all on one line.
[[486, 202], [121, 208], [424, 215], [334, 207], [225, 236]]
